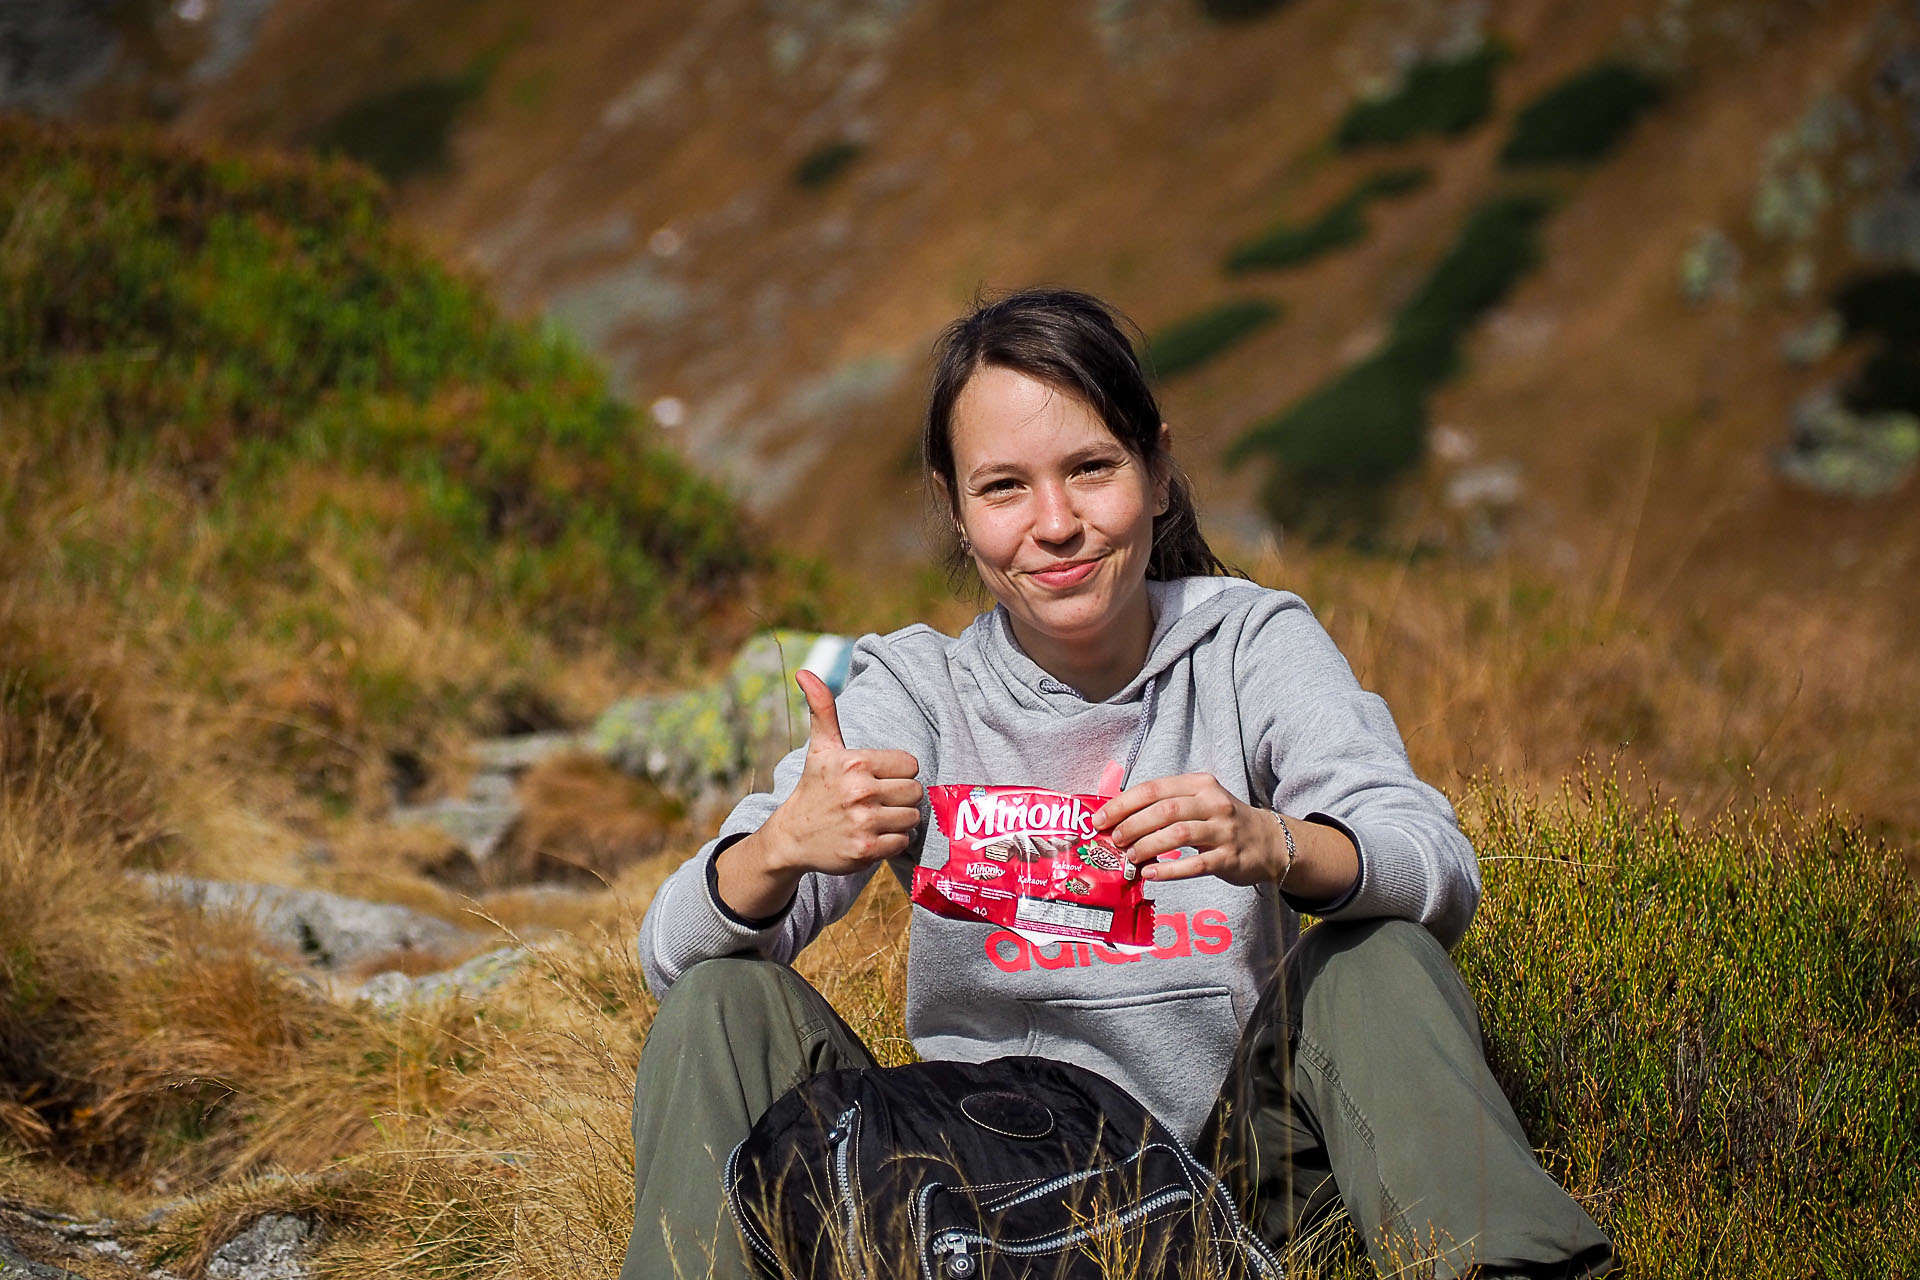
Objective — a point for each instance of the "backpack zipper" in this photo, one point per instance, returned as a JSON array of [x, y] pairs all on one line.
[[957, 1244], [748, 1228], [841, 1138]]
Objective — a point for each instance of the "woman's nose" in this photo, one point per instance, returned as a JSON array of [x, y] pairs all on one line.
[[1055, 519]]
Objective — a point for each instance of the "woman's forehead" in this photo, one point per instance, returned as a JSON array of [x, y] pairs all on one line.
[[1004, 415]]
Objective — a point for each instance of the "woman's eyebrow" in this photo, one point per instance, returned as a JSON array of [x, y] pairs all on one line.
[[993, 470]]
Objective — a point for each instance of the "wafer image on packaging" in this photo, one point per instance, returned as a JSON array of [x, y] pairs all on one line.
[[1029, 859]]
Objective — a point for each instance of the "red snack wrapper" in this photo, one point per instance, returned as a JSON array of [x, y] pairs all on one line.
[[1029, 859]]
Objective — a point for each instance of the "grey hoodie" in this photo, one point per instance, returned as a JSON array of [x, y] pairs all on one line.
[[1240, 682]]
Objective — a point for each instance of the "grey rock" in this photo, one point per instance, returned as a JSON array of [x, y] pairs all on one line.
[[1815, 340], [232, 27], [517, 754], [1887, 231], [51, 54], [477, 821], [599, 308], [703, 744], [1710, 267], [475, 978], [1491, 484], [330, 930], [1791, 201], [273, 1247], [1837, 452], [14, 1264]]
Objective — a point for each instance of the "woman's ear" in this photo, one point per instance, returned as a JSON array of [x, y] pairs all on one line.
[[952, 509]]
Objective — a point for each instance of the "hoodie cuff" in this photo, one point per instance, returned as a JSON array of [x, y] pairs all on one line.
[[732, 917], [1325, 907], [1393, 876]]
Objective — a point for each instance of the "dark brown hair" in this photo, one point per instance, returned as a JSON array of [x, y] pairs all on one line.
[[1074, 343]]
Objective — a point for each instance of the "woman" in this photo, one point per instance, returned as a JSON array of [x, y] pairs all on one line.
[[1351, 1073]]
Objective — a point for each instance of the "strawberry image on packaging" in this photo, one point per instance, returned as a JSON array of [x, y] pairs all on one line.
[[1029, 859]]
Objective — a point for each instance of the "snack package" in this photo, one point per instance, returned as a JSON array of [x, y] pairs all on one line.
[[1029, 860]]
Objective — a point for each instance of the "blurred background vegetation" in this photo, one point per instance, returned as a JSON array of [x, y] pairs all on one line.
[[387, 381]]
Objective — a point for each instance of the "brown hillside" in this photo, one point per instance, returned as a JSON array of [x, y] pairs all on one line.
[[629, 169]]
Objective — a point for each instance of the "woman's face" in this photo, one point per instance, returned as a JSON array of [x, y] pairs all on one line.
[[1059, 515]]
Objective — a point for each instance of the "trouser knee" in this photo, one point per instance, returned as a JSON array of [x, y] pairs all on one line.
[[1395, 968], [719, 998]]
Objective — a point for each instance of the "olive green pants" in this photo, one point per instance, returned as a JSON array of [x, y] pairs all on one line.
[[1360, 1083]]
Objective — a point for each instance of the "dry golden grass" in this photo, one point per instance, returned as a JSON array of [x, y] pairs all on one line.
[[170, 1058]]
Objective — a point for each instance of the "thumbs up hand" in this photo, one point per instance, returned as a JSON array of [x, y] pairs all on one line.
[[851, 808]]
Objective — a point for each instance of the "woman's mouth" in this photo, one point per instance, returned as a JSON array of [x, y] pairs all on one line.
[[1069, 574]]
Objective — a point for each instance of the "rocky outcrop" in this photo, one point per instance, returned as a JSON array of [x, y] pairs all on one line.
[[274, 1246], [477, 977], [708, 744], [34, 1243], [1843, 454], [327, 930]]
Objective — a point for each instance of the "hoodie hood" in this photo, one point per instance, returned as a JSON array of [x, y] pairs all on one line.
[[1185, 612]]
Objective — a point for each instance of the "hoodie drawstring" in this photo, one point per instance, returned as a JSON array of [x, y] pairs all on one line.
[[1047, 684]]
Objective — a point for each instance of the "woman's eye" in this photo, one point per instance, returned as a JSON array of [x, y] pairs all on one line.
[[1096, 465]]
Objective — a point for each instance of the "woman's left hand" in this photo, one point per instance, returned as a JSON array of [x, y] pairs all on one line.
[[1231, 838]]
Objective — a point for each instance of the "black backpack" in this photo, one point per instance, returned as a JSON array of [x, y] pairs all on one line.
[[1015, 1169]]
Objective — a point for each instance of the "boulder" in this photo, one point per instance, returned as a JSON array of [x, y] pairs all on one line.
[[1842, 454], [331, 931], [475, 978], [274, 1246], [477, 821], [706, 744]]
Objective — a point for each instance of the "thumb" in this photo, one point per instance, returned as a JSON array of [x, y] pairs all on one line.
[[823, 716]]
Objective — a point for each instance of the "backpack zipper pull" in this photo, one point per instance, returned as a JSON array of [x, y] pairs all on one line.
[[959, 1262]]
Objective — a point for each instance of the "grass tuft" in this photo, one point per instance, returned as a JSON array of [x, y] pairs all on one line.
[[1583, 118], [1884, 306], [1435, 96], [402, 133], [1187, 344], [1343, 223], [822, 165], [1239, 10], [1335, 452]]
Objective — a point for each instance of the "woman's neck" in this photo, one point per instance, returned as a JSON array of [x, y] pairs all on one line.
[[1098, 666]]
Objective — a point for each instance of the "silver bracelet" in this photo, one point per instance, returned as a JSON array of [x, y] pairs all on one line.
[[1293, 851]]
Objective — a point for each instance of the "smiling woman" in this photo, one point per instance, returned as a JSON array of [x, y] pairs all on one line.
[[1058, 516], [1256, 780]]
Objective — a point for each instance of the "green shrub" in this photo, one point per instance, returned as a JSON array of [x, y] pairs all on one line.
[[1443, 96], [402, 132], [1190, 343], [1344, 223], [1334, 452], [1884, 308], [255, 328], [1582, 118], [1883, 304], [1712, 1030], [1498, 245], [1239, 10], [823, 164]]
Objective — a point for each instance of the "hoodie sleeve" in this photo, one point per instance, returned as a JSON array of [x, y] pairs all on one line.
[[686, 923], [1329, 749]]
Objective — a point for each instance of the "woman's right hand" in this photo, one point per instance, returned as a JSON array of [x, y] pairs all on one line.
[[849, 810]]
